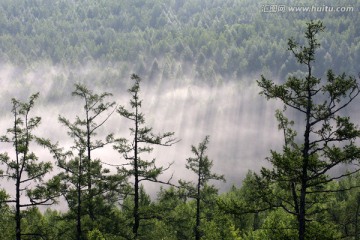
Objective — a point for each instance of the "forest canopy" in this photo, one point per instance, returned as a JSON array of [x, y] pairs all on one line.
[[227, 39]]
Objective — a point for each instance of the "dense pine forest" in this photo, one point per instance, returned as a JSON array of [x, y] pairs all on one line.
[[179, 119], [230, 39]]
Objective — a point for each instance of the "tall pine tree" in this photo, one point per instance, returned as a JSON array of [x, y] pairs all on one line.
[[201, 165], [328, 138], [24, 168], [143, 138]]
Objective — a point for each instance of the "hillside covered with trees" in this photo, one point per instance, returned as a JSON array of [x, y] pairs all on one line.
[[209, 40]]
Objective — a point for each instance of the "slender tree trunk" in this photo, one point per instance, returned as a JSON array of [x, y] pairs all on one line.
[[197, 227], [302, 211], [17, 210], [17, 184], [305, 157], [89, 180], [198, 198], [302, 205], [136, 207], [78, 217], [136, 184]]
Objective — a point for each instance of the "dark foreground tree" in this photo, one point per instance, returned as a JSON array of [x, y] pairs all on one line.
[[143, 137], [201, 165], [328, 140], [24, 167]]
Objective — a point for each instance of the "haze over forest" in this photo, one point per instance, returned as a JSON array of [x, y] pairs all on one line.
[[198, 60]]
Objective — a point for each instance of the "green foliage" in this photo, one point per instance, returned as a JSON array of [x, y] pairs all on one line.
[[297, 182], [280, 225], [344, 210], [7, 224], [95, 235]]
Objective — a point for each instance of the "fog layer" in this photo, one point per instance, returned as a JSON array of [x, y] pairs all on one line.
[[240, 122]]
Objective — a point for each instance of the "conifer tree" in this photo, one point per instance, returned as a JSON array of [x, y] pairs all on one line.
[[24, 168], [85, 182], [143, 137], [201, 165], [328, 138]]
